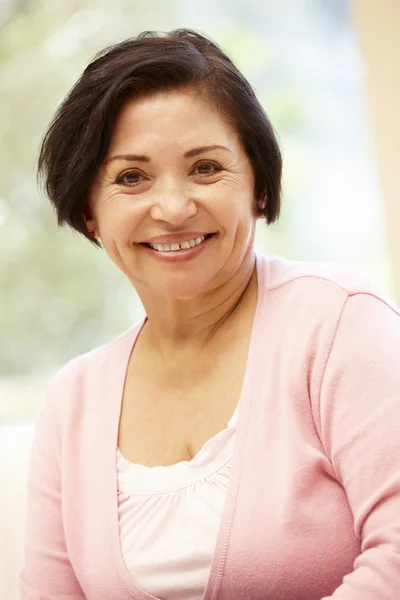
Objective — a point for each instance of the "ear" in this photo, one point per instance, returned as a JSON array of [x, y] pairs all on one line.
[[90, 222], [260, 204]]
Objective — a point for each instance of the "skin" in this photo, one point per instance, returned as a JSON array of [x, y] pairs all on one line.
[[188, 304]]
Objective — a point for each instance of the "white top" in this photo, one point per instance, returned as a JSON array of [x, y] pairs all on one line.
[[169, 517]]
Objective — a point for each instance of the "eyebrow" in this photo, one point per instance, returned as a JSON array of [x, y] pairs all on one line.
[[202, 149], [143, 158]]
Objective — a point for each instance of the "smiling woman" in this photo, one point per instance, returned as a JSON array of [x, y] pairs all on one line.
[[139, 69], [253, 414], [194, 183]]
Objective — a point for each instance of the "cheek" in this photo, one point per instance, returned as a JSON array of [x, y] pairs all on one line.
[[117, 219], [119, 232], [237, 207], [227, 196]]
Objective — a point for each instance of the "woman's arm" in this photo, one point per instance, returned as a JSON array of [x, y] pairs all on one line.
[[47, 573], [360, 427]]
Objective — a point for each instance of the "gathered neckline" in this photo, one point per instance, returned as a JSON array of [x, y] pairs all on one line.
[[216, 452]]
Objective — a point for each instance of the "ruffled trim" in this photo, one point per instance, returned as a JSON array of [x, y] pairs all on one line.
[[214, 454]]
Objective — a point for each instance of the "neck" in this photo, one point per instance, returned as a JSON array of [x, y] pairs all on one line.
[[191, 326]]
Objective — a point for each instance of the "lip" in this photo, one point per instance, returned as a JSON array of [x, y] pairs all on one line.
[[180, 256], [176, 237]]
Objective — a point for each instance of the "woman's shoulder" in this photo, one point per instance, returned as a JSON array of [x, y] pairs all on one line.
[[85, 375], [318, 279], [328, 274], [312, 292], [96, 358]]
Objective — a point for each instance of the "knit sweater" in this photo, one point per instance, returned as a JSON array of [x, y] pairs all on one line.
[[313, 504]]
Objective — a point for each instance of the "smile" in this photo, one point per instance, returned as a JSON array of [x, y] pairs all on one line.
[[174, 247]]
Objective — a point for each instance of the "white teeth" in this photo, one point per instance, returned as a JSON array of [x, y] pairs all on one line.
[[182, 246]]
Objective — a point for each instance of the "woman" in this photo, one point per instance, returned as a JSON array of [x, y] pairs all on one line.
[[242, 440]]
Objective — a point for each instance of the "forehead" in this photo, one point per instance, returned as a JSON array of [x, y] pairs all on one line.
[[178, 117]]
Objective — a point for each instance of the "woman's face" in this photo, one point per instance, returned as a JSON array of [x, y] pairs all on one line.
[[174, 172]]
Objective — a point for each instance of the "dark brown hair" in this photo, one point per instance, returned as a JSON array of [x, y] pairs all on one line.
[[78, 137]]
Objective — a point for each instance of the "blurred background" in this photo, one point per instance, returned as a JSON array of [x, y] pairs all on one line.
[[328, 75]]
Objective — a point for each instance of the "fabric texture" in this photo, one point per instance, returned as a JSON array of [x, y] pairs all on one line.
[[169, 517], [312, 510]]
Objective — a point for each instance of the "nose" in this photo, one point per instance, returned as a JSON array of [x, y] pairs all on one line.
[[172, 203]]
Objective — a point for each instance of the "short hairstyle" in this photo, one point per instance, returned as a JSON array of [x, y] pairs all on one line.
[[77, 140]]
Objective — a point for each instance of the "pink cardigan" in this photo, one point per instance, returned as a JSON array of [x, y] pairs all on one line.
[[313, 505]]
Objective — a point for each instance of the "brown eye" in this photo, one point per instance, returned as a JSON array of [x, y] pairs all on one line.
[[207, 168], [129, 178]]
